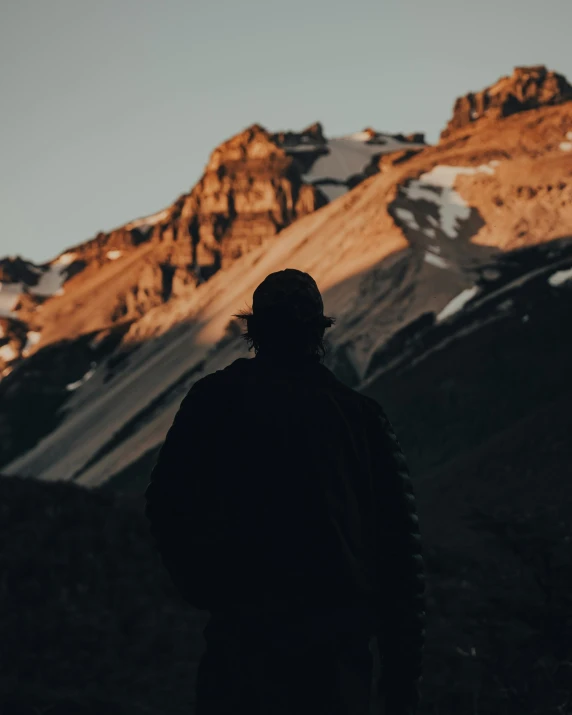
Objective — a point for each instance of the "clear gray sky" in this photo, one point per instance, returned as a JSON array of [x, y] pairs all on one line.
[[110, 108]]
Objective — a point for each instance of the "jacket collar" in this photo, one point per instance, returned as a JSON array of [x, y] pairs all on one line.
[[301, 370], [297, 368]]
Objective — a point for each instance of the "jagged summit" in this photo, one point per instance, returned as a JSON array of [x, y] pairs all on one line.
[[527, 88], [315, 131]]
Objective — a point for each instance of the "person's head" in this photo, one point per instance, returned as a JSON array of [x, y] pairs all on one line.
[[287, 317]]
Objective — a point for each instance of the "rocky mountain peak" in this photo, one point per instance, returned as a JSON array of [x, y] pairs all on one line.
[[254, 142], [315, 131], [527, 88], [369, 132]]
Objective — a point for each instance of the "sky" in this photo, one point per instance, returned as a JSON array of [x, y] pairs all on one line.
[[110, 109]]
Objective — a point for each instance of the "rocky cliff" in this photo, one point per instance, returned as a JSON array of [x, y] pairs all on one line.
[[252, 188], [255, 184], [527, 88]]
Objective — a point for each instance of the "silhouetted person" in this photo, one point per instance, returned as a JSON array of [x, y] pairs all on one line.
[[281, 503]]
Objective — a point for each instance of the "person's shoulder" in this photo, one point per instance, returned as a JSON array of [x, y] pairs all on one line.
[[366, 404], [221, 378], [369, 406]]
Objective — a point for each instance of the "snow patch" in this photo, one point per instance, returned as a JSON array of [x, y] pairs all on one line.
[[7, 353], [147, 221], [52, 280], [445, 176], [560, 277], [346, 156], [452, 206], [457, 303], [435, 260], [74, 385], [65, 259], [32, 339], [429, 232], [9, 294], [114, 255], [566, 146], [301, 147], [359, 136], [408, 218]]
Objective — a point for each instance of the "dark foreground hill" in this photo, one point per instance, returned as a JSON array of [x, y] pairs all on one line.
[[91, 624]]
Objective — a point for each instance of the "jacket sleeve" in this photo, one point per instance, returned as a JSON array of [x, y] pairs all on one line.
[[401, 636], [175, 493]]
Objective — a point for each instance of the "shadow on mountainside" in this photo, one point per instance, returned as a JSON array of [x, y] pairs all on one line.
[[450, 386], [41, 382], [392, 307]]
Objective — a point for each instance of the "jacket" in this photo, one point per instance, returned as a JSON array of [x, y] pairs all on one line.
[[278, 484]]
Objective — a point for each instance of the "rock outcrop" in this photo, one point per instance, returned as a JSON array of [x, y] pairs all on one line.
[[527, 88], [251, 189]]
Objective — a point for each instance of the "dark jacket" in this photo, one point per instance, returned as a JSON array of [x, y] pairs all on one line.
[[279, 484]]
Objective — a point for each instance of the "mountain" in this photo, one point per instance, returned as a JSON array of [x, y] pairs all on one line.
[[255, 185], [413, 247], [449, 268], [527, 88]]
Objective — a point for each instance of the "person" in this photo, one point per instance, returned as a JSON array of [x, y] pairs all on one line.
[[281, 503]]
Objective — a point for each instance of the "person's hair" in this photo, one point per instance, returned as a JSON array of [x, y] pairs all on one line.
[[281, 334]]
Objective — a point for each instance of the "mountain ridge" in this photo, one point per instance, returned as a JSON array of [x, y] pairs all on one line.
[[254, 185], [401, 258]]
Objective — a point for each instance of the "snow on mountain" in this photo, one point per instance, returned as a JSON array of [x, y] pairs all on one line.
[[560, 277], [458, 302], [148, 221], [9, 294], [436, 186], [32, 339], [42, 281], [7, 352], [53, 277], [75, 385], [348, 157], [434, 260]]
